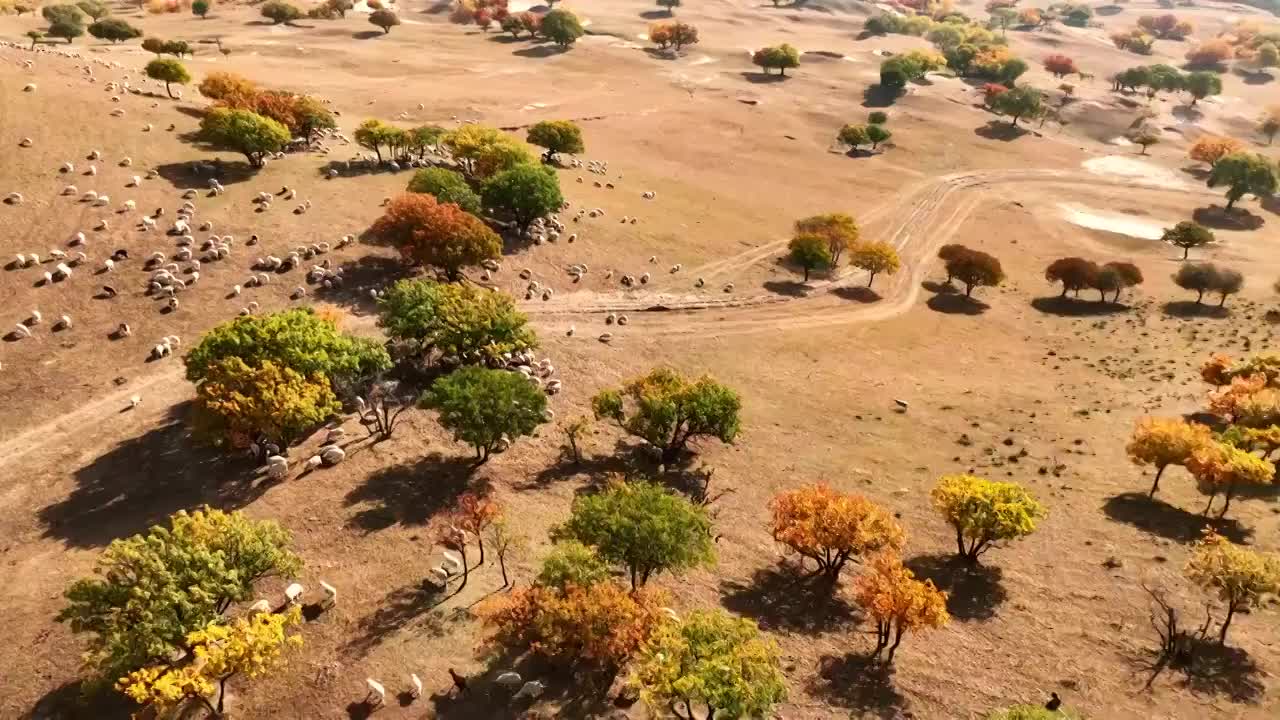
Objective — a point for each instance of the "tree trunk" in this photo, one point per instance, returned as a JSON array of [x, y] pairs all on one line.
[[502, 565], [1223, 301], [1156, 485], [968, 290], [168, 91], [1064, 290], [871, 279], [1222, 634], [1186, 251], [806, 273], [480, 543], [897, 640], [1199, 297], [1231, 202], [1227, 504]]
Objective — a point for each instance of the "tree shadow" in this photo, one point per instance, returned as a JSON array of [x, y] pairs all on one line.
[[70, 702], [1198, 173], [860, 294], [1157, 517], [859, 683], [656, 15], [186, 176], [540, 51], [880, 96], [142, 481], [1253, 78], [1193, 309], [974, 592], [662, 53], [367, 34], [410, 493], [1219, 218], [789, 288], [505, 39], [785, 597], [956, 304], [575, 692], [761, 78], [1000, 130], [363, 273], [1271, 204], [1224, 670], [408, 608], [1074, 307], [626, 460]]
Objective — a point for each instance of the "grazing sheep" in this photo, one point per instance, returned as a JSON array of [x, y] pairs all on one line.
[[293, 592], [69, 190], [64, 323], [173, 304], [123, 330], [508, 679], [102, 225], [24, 142], [728, 287], [675, 268], [606, 337], [67, 168], [377, 694], [644, 279], [622, 320], [22, 331], [700, 282], [13, 198]]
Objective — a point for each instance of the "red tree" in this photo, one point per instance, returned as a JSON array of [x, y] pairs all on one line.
[[991, 91], [435, 233], [1060, 65]]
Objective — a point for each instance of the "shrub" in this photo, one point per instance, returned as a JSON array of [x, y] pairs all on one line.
[[437, 234], [384, 19], [878, 134], [1135, 41], [643, 528], [890, 595], [854, 135], [114, 30], [524, 192], [200, 8], [831, 528], [975, 269], [572, 563], [877, 117], [984, 512], [1209, 54], [447, 186], [168, 72], [531, 22], [668, 411], [810, 252], [875, 258], [486, 408], [512, 24], [561, 27], [1222, 468], [278, 11], [228, 88], [459, 322], [1240, 577], [1244, 173], [840, 230], [1161, 442], [780, 57], [557, 136], [244, 132], [714, 659]]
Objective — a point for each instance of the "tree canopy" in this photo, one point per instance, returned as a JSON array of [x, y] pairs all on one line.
[[278, 11], [1221, 468], [1019, 102], [810, 251], [486, 408], [435, 233], [1187, 235], [983, 512], [832, 528], [974, 268], [268, 402], [890, 595], [561, 27], [1161, 442], [447, 186], [875, 258], [525, 192], [839, 229], [457, 321], [779, 57], [557, 136], [668, 410], [114, 30], [385, 19], [1244, 173], [168, 72], [1240, 577], [572, 563], [483, 151], [244, 132]]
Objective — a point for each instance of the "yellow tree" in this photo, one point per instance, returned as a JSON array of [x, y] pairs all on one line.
[[984, 512], [1239, 576], [249, 646], [831, 528], [1209, 149], [898, 602], [840, 231], [1222, 468], [1162, 442], [875, 258], [267, 402]]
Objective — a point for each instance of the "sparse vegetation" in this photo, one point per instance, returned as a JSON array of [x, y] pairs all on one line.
[[114, 30], [280, 12]]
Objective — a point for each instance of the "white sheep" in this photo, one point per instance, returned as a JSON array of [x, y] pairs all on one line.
[[14, 198], [293, 592], [377, 694], [22, 331], [64, 323], [415, 686]]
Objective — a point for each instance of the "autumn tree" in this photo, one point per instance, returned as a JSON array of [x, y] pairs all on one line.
[[711, 661], [1166, 27], [244, 132], [875, 258], [779, 57], [1240, 577], [1220, 468], [475, 514], [446, 186], [1227, 282], [1210, 54], [1207, 277], [890, 595], [1074, 273], [839, 229], [674, 34], [482, 151], [668, 410], [975, 269], [250, 645], [507, 543], [1161, 442], [149, 592], [264, 403], [435, 233], [1060, 65], [228, 88], [572, 563], [557, 136], [984, 512], [1116, 277], [810, 252], [832, 528], [486, 408], [524, 192], [456, 322], [1209, 149], [1244, 173], [642, 527], [385, 19], [853, 136]]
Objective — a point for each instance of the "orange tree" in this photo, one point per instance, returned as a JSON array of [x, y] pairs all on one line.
[[898, 602], [437, 234], [831, 528], [1162, 442], [1222, 468]]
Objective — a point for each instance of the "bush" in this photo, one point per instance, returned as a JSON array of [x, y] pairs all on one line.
[[177, 48], [1116, 277], [1210, 54], [668, 411], [642, 527], [780, 57], [437, 234], [228, 88], [486, 408], [572, 563], [524, 192], [200, 8], [459, 322], [114, 30], [168, 72], [1222, 468], [561, 27], [244, 132], [1060, 65], [984, 512], [447, 186], [557, 136], [673, 34], [831, 528], [385, 19], [877, 117], [278, 11]]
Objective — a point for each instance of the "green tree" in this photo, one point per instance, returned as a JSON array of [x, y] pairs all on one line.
[[877, 117], [454, 320], [1244, 173], [1020, 102], [447, 186], [200, 8], [278, 11], [149, 592], [525, 192], [94, 9], [36, 36], [68, 31], [572, 563], [248, 133], [1240, 577], [298, 339], [64, 13], [177, 48], [1163, 77], [668, 410], [1202, 84], [896, 72], [486, 408], [372, 134], [642, 527], [261, 403], [713, 660], [840, 230], [1187, 235], [385, 19], [810, 252], [561, 27], [877, 134], [780, 57], [854, 135], [670, 5], [114, 30], [557, 136], [984, 512], [168, 72], [483, 151], [1145, 136]]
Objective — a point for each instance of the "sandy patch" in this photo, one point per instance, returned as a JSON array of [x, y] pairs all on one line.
[[1127, 167], [704, 60], [1118, 223]]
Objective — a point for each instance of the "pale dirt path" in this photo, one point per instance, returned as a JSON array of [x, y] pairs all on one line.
[[929, 214]]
